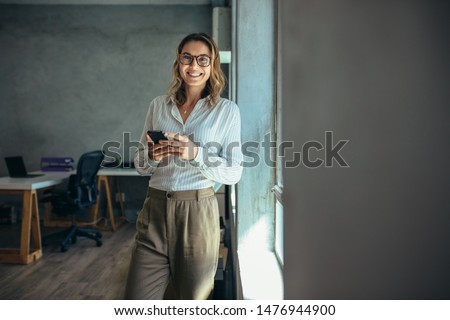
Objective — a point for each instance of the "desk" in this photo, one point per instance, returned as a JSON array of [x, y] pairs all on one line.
[[103, 175], [30, 231]]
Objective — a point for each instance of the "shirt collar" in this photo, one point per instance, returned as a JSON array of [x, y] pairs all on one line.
[[207, 98]]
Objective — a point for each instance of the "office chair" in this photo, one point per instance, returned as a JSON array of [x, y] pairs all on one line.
[[81, 193]]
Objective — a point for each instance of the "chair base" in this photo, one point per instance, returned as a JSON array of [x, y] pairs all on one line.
[[70, 236]]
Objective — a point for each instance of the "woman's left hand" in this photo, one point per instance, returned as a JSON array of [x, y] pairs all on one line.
[[182, 144]]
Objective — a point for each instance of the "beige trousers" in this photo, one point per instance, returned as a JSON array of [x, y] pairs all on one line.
[[177, 239]]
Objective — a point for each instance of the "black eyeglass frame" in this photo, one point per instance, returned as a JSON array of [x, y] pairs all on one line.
[[194, 57]]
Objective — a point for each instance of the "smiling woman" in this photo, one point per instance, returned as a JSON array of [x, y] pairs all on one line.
[[197, 65], [194, 69], [178, 227]]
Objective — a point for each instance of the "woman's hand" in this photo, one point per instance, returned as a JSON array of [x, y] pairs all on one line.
[[180, 145], [157, 151]]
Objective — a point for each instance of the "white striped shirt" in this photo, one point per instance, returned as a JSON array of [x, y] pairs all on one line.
[[217, 132]]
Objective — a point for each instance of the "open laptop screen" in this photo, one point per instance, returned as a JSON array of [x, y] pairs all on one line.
[[16, 168]]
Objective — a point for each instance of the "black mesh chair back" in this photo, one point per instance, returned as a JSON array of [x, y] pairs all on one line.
[[81, 193], [86, 178]]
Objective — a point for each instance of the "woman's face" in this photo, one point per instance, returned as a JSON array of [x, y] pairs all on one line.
[[193, 74]]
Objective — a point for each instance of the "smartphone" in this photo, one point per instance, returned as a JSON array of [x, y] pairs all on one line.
[[156, 136]]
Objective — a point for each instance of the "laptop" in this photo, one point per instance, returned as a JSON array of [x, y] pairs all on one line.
[[16, 168]]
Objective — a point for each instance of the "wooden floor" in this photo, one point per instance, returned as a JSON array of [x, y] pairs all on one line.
[[83, 272]]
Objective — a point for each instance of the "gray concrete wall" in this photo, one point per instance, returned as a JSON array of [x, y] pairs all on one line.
[[255, 95], [376, 73], [75, 77]]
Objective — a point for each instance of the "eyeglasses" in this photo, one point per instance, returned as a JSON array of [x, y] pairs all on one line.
[[202, 60]]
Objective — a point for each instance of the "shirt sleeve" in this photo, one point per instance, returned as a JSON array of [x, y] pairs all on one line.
[[224, 166], [144, 165]]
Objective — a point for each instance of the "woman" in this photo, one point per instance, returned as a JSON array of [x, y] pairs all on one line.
[[178, 227]]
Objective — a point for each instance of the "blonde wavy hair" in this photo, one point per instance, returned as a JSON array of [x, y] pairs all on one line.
[[214, 85]]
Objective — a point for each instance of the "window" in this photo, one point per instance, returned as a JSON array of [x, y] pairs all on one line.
[[278, 187]]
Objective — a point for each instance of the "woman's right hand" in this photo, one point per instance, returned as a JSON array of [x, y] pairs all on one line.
[[157, 151]]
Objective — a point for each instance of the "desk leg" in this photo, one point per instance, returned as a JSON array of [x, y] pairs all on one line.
[[122, 207], [109, 203], [30, 228], [104, 180], [30, 235], [35, 227]]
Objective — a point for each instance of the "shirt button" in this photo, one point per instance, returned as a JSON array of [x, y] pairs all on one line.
[[169, 195]]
